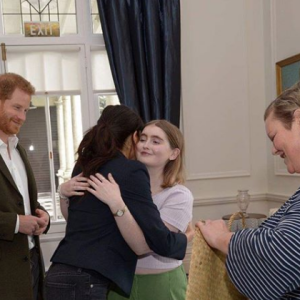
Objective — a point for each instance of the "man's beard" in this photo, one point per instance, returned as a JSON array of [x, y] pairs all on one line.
[[8, 126]]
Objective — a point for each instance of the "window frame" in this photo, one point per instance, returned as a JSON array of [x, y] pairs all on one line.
[[86, 40]]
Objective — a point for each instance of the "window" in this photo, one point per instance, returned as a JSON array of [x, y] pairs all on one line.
[[53, 129], [107, 99], [103, 84], [16, 12], [95, 17], [72, 78], [51, 136]]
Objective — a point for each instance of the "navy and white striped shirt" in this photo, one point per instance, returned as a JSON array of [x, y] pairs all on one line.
[[264, 263]]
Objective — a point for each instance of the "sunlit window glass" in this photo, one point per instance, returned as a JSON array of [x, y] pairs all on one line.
[[96, 25], [53, 128], [16, 12], [50, 136], [48, 68], [102, 77], [104, 100]]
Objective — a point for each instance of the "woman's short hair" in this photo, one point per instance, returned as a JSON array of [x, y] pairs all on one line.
[[284, 106], [104, 140], [11, 81], [174, 170]]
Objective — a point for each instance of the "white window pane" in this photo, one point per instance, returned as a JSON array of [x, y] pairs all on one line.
[[58, 132], [102, 78], [16, 64], [12, 24], [104, 100], [63, 11], [94, 6], [26, 18], [56, 70], [97, 29], [66, 6], [70, 71], [68, 24], [66, 133], [66, 127], [52, 63], [11, 6], [95, 17], [34, 18], [53, 18], [33, 63], [25, 8]]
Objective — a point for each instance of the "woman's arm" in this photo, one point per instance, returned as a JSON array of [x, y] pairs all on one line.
[[108, 192], [264, 262], [176, 210], [135, 191], [216, 234], [73, 187], [190, 232], [64, 205]]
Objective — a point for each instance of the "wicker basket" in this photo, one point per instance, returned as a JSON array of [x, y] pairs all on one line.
[[208, 279]]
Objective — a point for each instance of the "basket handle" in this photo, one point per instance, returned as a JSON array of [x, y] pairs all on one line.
[[233, 216]]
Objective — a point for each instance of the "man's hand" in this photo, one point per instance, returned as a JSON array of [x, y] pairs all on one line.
[[34, 225], [44, 221], [30, 224]]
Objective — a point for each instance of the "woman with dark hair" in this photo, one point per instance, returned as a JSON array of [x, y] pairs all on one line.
[[161, 149], [94, 253]]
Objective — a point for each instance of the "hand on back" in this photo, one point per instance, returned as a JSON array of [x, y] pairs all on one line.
[[106, 190], [75, 186]]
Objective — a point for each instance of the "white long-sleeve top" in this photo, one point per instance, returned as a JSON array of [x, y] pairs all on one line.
[[175, 205]]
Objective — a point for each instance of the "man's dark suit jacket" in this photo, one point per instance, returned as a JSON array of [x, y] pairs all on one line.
[[15, 273], [93, 240]]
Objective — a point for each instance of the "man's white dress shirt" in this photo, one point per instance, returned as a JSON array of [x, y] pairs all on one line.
[[17, 169]]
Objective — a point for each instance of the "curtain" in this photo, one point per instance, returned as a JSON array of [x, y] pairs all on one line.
[[142, 39]]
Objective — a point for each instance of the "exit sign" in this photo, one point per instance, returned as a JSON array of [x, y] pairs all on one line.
[[41, 29]]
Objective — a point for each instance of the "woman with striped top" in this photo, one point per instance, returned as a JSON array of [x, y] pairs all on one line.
[[160, 148], [264, 263]]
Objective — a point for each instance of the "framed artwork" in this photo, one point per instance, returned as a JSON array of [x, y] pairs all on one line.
[[287, 73]]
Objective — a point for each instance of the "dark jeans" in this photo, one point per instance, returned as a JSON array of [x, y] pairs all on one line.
[[64, 282], [35, 272]]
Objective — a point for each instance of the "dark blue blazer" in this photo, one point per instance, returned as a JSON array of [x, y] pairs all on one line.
[[93, 240]]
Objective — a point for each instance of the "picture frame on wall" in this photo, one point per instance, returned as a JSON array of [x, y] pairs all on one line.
[[287, 73]]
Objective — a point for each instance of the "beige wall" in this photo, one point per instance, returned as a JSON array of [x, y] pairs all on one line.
[[229, 51], [284, 42], [223, 93]]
